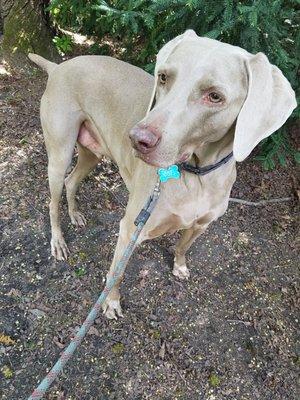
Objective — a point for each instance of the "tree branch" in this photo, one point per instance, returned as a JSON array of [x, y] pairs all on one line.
[[259, 203]]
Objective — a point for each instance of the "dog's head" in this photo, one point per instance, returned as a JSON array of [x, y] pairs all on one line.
[[202, 89]]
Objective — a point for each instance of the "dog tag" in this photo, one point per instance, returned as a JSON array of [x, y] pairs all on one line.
[[171, 172]]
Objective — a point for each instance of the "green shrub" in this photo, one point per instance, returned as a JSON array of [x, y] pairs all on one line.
[[63, 44], [143, 26]]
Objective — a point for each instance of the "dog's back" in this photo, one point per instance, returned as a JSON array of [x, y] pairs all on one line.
[[94, 101]]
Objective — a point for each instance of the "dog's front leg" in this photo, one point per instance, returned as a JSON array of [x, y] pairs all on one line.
[[111, 307]]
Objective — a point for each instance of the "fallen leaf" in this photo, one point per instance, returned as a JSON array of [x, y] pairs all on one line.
[[4, 339], [58, 342], [93, 331], [14, 292]]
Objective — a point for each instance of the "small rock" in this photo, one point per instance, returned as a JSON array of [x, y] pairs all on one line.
[[162, 351], [153, 317], [37, 313]]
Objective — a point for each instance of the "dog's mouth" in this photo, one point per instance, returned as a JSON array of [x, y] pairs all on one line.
[[158, 162], [150, 160], [184, 157]]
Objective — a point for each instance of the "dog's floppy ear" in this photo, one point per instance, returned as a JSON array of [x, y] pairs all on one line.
[[162, 57], [269, 103]]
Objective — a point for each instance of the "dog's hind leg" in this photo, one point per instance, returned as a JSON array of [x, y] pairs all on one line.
[[86, 162], [60, 142], [186, 240]]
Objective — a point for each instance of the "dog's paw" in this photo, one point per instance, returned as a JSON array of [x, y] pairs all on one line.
[[77, 219], [59, 249], [181, 271], [112, 309]]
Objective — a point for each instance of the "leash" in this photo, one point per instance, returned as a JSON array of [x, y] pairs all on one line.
[[164, 174], [140, 222]]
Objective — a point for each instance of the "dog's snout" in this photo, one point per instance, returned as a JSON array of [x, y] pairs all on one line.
[[144, 139]]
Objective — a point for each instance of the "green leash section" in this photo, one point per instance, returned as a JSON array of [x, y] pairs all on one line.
[[119, 270]]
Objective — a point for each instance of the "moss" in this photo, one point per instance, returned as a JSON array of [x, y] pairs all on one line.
[[214, 380], [72, 260], [156, 334], [79, 272], [179, 394], [118, 348], [30, 345], [82, 256], [275, 297], [26, 31], [296, 361], [7, 372]]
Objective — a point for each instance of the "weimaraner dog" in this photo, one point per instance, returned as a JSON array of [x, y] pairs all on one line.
[[206, 100]]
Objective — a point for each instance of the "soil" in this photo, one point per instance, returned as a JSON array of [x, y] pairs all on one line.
[[230, 332]]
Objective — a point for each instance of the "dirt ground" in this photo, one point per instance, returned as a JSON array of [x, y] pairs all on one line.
[[227, 333]]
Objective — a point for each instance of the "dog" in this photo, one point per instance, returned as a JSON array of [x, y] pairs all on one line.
[[206, 100]]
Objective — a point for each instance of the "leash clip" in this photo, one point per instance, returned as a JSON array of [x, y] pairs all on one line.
[[146, 211]]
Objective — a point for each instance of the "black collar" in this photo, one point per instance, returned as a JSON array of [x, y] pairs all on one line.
[[207, 169]]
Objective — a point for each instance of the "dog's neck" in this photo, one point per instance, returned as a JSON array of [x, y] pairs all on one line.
[[211, 152]]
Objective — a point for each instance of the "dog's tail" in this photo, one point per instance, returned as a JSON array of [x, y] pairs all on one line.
[[48, 66]]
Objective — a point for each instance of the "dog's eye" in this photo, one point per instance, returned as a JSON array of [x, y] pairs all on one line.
[[214, 97], [162, 78]]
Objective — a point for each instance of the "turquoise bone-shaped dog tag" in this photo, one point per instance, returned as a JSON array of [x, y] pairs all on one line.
[[171, 172]]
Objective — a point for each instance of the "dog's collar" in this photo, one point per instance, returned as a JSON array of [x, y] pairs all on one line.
[[174, 171], [204, 170]]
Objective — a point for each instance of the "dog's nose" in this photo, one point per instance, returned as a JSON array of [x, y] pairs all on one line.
[[144, 140]]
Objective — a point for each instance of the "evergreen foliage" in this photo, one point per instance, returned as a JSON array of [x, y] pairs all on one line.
[[143, 26]]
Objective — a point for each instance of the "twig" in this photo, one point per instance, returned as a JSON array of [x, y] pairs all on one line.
[[34, 208], [259, 203], [239, 321]]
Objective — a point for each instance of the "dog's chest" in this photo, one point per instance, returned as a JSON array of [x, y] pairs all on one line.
[[181, 206], [187, 206]]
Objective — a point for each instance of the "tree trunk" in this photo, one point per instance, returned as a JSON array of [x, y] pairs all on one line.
[[25, 30]]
